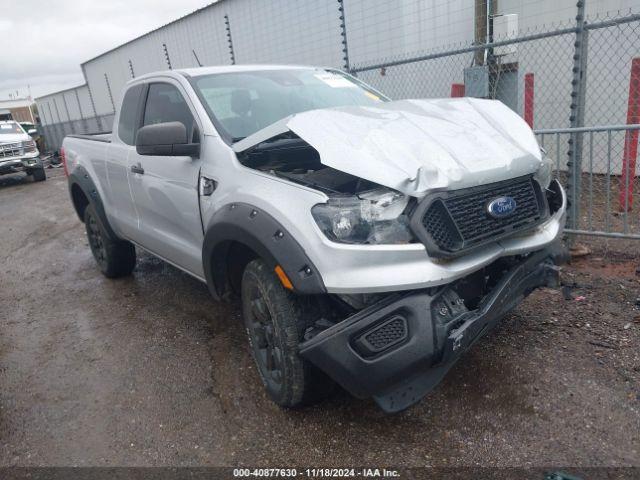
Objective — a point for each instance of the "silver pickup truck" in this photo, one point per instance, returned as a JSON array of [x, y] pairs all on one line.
[[370, 242]]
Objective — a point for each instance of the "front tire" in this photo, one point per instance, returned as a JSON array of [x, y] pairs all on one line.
[[116, 258], [275, 322], [38, 175]]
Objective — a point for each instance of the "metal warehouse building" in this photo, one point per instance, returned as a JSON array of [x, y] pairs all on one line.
[[357, 34]]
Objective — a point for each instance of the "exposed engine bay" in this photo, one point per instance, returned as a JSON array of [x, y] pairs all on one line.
[[290, 157], [358, 210]]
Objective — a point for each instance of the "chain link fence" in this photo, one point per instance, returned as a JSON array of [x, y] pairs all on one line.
[[538, 62]]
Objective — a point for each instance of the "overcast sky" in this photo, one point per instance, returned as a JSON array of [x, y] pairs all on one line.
[[43, 42]]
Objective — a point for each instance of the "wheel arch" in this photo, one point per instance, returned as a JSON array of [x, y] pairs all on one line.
[[83, 191], [79, 200], [239, 232]]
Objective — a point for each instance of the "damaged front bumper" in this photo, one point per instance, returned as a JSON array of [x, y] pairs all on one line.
[[399, 349]]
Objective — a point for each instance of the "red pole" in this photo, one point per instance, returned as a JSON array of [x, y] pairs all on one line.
[[630, 140], [528, 98], [457, 90]]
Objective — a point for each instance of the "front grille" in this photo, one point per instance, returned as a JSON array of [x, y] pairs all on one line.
[[8, 150], [457, 221]]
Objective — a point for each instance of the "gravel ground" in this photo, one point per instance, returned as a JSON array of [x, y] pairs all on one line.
[[149, 370]]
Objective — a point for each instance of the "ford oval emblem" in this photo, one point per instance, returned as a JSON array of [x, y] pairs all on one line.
[[501, 207]]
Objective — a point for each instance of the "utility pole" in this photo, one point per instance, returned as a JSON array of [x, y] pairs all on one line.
[[484, 9], [576, 119]]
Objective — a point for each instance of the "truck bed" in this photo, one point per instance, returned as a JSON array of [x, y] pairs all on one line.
[[90, 151]]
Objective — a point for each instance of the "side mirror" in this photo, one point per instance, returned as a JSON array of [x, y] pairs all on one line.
[[32, 131], [165, 139]]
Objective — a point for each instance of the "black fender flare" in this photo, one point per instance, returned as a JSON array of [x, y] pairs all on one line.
[[259, 231], [80, 178]]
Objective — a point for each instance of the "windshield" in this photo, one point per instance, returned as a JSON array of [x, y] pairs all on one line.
[[241, 103], [10, 128]]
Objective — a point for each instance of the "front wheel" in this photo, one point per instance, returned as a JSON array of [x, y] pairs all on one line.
[[275, 323], [38, 174], [116, 258]]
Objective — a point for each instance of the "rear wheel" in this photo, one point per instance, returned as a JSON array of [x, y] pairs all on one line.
[[275, 323], [116, 258]]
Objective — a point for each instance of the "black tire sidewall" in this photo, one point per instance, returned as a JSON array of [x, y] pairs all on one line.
[[285, 315], [119, 255], [89, 213], [39, 175]]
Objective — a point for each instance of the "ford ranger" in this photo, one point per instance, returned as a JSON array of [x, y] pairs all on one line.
[[369, 242], [19, 152]]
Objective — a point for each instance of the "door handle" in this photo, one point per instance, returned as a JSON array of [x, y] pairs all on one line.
[[137, 169]]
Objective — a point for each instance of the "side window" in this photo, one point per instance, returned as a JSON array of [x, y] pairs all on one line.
[[166, 104], [127, 126]]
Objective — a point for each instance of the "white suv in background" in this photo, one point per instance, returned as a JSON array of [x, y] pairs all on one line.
[[19, 152]]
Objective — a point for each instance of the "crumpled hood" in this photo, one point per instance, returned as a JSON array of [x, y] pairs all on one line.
[[415, 146]]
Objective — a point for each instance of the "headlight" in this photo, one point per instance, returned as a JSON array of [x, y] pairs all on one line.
[[374, 217], [29, 146], [544, 174]]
